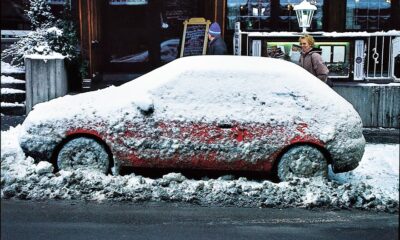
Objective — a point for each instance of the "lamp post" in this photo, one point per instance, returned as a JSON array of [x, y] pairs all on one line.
[[304, 12]]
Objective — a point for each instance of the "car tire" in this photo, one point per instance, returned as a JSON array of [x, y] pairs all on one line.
[[83, 153], [302, 161]]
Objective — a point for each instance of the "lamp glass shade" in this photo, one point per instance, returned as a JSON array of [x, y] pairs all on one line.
[[304, 13]]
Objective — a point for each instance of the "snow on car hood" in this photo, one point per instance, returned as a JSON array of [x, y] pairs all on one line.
[[215, 86]]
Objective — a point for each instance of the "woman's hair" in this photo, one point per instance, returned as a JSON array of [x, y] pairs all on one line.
[[308, 38]]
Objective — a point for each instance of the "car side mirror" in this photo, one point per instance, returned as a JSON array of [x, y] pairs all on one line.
[[145, 104], [147, 111]]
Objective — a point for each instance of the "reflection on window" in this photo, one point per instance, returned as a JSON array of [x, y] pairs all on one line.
[[336, 55], [253, 14], [287, 16], [256, 15], [368, 14], [60, 2], [127, 2]]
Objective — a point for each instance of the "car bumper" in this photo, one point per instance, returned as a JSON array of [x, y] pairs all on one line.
[[347, 155]]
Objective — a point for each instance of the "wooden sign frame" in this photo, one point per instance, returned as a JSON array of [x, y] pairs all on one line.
[[195, 21]]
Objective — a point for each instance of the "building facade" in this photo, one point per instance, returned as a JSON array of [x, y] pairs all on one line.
[[128, 36], [359, 39]]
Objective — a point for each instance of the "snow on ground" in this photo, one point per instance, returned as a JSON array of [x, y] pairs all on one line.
[[374, 185]]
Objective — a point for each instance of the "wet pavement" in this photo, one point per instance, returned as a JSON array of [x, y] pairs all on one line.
[[125, 220]]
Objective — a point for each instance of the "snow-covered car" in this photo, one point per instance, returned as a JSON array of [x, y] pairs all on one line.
[[203, 112]]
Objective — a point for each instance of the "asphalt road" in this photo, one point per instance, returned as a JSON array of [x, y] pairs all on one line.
[[125, 220]]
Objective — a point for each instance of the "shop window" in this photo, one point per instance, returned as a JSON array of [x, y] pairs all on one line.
[[287, 16], [368, 14], [145, 35], [336, 55], [253, 14], [257, 15]]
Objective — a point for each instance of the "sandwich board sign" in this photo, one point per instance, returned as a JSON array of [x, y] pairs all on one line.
[[194, 37]]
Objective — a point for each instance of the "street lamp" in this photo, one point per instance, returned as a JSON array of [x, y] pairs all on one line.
[[304, 12]]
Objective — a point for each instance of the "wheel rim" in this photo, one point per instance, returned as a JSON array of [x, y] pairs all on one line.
[[83, 153], [302, 161]]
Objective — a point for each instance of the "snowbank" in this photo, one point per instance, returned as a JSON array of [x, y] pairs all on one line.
[[372, 186]]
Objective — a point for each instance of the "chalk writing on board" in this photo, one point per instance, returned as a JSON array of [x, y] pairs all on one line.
[[194, 38]]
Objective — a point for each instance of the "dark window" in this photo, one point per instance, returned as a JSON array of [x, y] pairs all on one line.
[[128, 2], [368, 14], [259, 15], [256, 14], [142, 34], [61, 2]]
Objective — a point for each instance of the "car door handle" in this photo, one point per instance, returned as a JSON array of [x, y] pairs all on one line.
[[225, 125]]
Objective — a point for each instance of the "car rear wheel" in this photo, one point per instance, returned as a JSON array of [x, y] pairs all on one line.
[[302, 161], [83, 153]]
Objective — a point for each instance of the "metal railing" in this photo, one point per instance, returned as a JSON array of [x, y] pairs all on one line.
[[372, 56], [378, 63]]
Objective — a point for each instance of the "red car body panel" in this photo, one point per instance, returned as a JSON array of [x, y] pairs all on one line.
[[200, 144]]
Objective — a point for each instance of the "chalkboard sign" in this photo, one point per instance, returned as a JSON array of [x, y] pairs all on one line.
[[194, 38]]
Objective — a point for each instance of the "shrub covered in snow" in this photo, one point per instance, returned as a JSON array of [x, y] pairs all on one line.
[[39, 14], [49, 36]]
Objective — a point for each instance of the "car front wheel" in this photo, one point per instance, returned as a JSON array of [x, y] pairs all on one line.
[[83, 153], [302, 161]]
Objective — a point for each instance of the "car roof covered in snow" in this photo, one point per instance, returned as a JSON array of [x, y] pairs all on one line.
[[246, 87]]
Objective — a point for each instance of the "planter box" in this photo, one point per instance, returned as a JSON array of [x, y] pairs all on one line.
[[46, 79]]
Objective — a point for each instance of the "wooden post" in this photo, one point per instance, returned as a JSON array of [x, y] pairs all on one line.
[[46, 79]]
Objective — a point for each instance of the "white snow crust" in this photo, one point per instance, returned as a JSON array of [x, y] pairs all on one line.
[[11, 91], [52, 55], [6, 68], [372, 186], [16, 104], [8, 79], [329, 34]]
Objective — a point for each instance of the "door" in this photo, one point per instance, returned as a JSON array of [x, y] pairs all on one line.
[[90, 33]]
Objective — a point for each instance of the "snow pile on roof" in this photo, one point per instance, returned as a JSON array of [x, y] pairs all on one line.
[[372, 186]]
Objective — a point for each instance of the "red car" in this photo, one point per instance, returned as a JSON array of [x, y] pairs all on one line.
[[203, 112]]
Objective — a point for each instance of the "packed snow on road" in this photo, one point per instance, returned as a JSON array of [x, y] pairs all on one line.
[[373, 185]]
